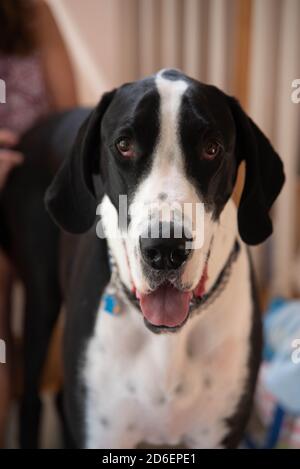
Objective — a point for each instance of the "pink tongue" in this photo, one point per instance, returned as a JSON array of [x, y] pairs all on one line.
[[166, 306]]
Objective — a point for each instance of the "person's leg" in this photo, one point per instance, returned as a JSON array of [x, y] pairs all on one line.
[[6, 277]]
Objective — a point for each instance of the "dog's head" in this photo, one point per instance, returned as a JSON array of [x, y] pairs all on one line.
[[170, 147]]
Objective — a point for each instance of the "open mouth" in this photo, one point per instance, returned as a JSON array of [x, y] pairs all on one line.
[[165, 307]]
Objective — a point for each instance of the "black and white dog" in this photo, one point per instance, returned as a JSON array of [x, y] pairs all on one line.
[[163, 333]]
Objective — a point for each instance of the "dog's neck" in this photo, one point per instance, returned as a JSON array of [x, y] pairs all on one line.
[[116, 244], [173, 348], [224, 237]]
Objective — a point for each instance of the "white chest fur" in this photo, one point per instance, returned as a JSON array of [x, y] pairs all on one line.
[[171, 388]]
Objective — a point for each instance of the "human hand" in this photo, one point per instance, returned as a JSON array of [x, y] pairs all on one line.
[[8, 158]]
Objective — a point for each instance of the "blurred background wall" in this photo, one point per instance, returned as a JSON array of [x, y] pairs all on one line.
[[249, 48]]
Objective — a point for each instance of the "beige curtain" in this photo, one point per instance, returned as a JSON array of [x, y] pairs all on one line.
[[274, 64], [113, 41]]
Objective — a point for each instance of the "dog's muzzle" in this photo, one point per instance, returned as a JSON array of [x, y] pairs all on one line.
[[164, 255]]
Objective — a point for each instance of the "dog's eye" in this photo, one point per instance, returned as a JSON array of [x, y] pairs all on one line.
[[125, 147], [211, 149]]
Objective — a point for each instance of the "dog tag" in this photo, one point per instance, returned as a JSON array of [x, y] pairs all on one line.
[[111, 305]]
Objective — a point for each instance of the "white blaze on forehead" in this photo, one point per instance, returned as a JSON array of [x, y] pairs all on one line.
[[167, 173], [171, 93]]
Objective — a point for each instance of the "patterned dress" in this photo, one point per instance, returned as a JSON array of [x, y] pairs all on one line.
[[26, 94], [26, 102]]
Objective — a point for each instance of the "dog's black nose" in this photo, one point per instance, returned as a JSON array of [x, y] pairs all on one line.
[[165, 252]]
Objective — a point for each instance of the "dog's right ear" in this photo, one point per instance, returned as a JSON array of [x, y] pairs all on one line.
[[71, 198], [263, 181]]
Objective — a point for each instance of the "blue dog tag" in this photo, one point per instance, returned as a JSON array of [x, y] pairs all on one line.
[[111, 304]]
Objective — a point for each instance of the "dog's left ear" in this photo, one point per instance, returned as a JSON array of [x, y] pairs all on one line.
[[263, 180], [71, 198]]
